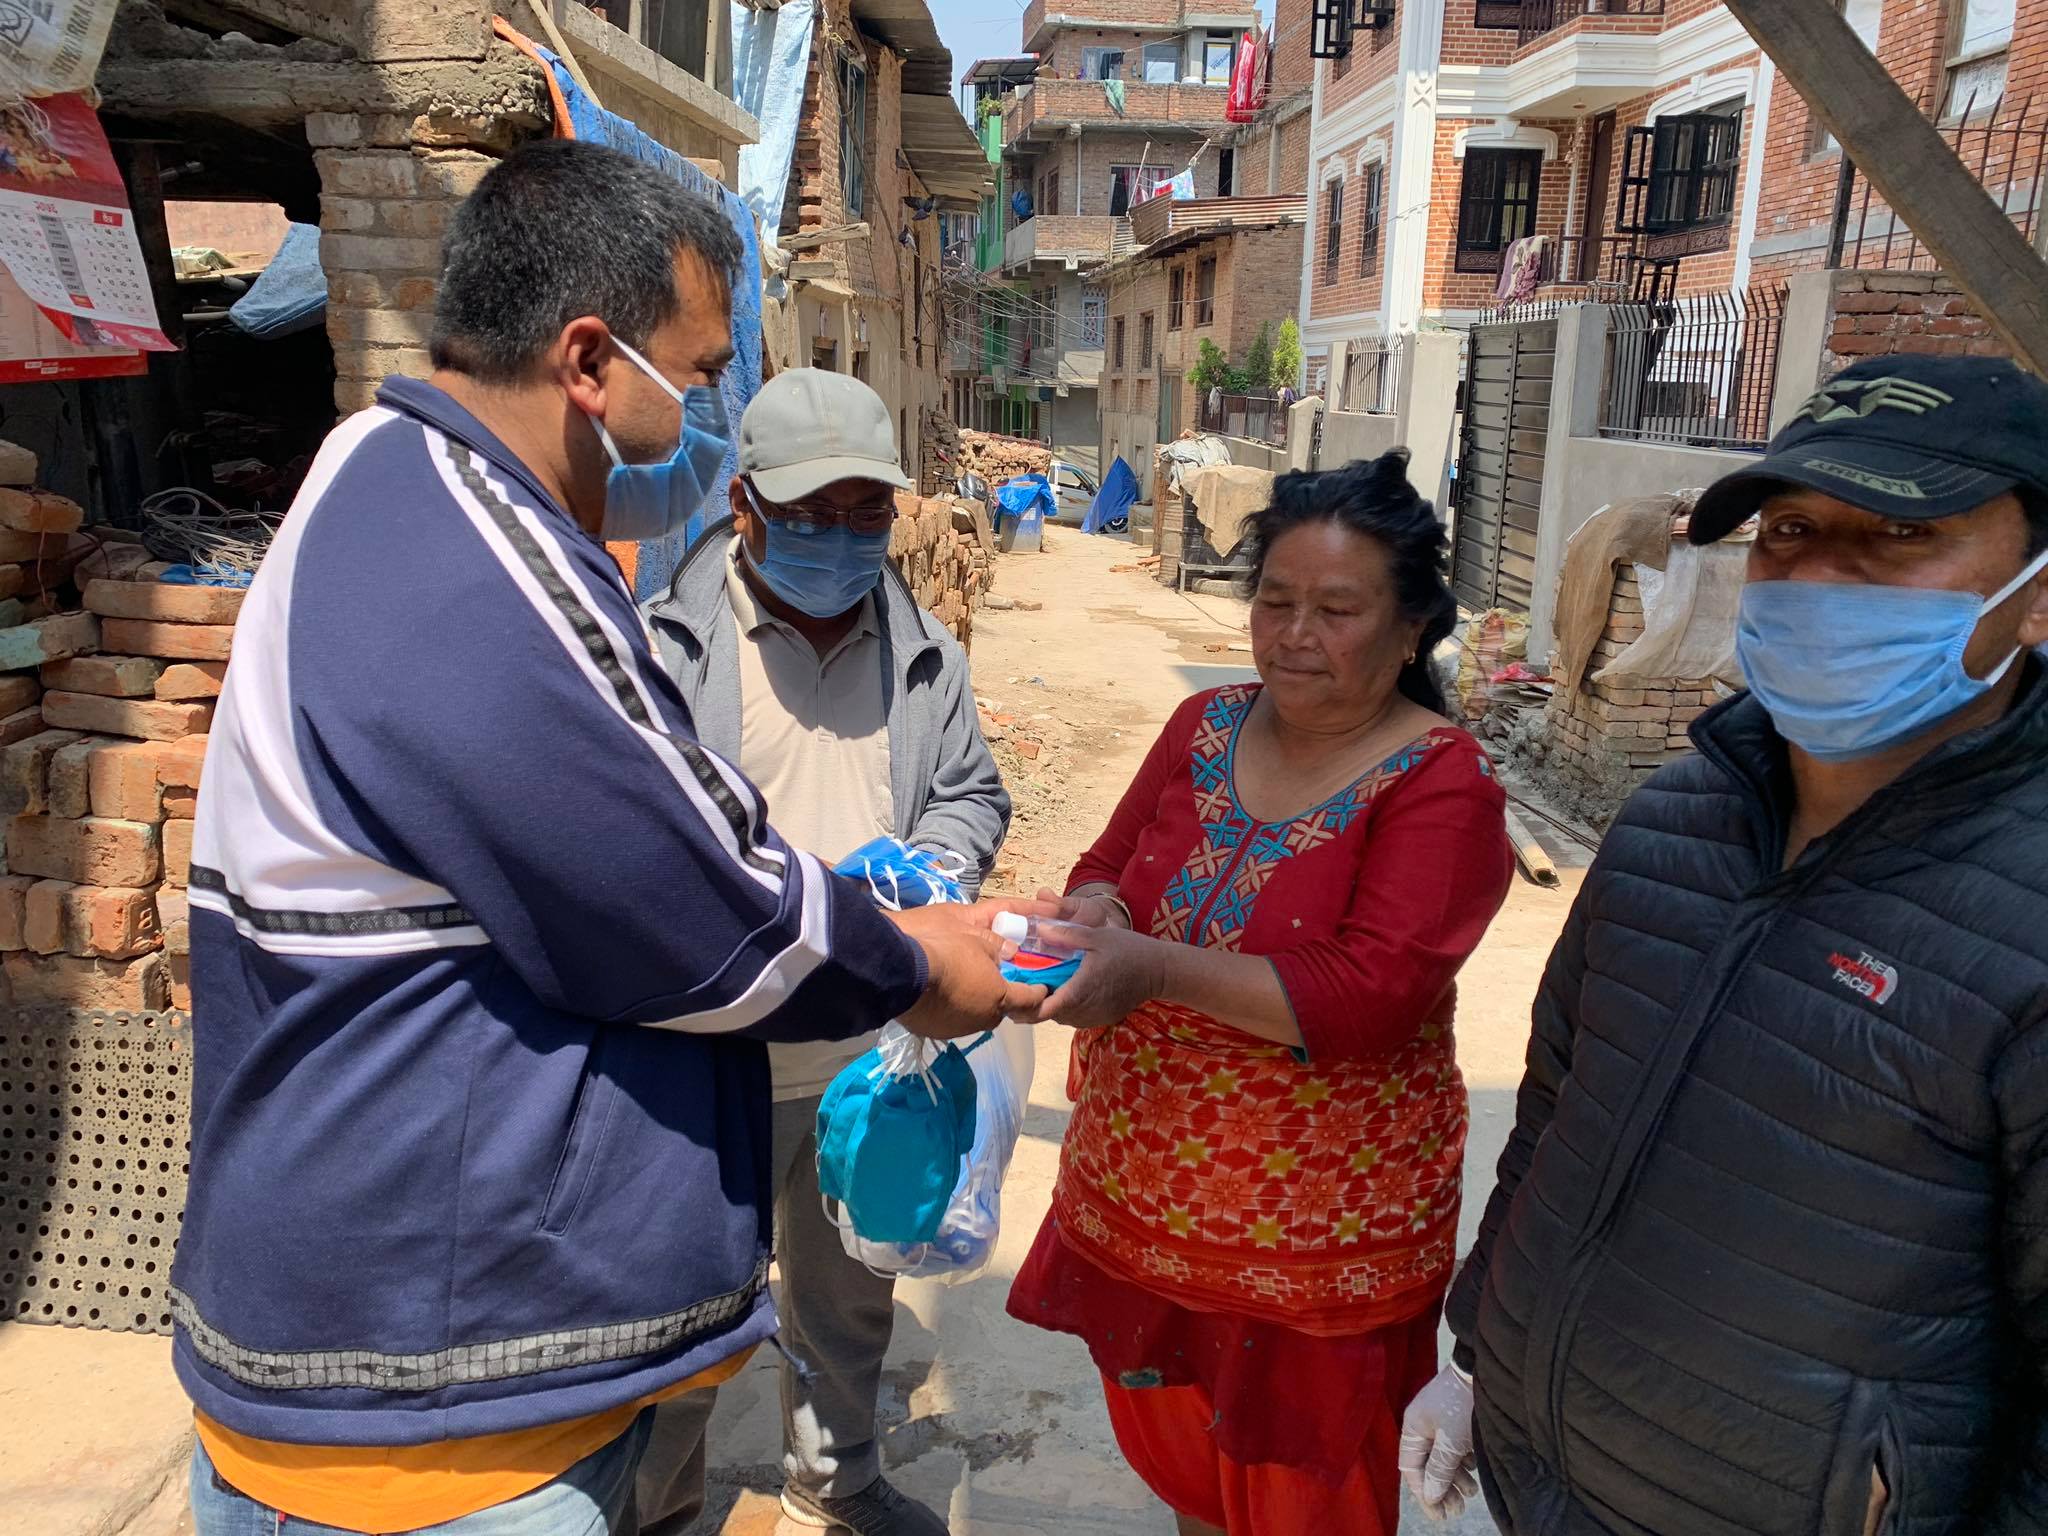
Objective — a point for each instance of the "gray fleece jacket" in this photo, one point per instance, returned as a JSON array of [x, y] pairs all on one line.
[[947, 790]]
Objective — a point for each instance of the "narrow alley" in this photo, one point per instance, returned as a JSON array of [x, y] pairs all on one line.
[[1000, 1428]]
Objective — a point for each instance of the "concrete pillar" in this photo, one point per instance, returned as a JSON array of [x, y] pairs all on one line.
[[1574, 412], [384, 206], [1301, 433], [1429, 367], [1809, 316]]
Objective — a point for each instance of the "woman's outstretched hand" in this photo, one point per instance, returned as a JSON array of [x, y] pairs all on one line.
[[1085, 910], [1120, 971]]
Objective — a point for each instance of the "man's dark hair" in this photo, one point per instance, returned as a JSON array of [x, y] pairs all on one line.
[[561, 229]]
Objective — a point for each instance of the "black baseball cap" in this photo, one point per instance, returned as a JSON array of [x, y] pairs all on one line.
[[1911, 438]]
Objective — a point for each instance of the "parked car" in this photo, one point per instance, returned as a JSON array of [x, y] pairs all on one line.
[[1074, 489]]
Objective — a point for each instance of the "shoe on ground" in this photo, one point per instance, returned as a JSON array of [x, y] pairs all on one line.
[[877, 1510]]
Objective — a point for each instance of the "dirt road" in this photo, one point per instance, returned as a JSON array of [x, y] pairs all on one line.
[[999, 1427]]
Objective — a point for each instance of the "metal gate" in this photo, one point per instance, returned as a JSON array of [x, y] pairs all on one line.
[[1500, 463]]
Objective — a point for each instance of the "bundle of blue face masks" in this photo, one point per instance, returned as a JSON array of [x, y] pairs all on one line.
[[900, 876], [914, 1137]]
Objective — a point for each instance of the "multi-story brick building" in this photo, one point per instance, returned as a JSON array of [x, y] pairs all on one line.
[[880, 144], [1215, 270], [1123, 95], [1649, 141]]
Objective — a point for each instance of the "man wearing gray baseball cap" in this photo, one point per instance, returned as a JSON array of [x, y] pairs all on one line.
[[804, 658]]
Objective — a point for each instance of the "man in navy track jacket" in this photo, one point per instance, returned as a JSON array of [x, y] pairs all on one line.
[[485, 945]]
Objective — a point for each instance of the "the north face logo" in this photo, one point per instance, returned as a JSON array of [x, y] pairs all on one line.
[[1846, 399], [1866, 974]]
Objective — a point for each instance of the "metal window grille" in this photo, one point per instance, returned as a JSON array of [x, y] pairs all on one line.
[[1698, 371], [1536, 18], [853, 136], [1145, 340], [1333, 228], [1372, 375], [1261, 418], [1369, 220]]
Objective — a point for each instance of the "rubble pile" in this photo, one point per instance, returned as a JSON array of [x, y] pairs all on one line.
[[997, 458], [99, 781], [943, 548]]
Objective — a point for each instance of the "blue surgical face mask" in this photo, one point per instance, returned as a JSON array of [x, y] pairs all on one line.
[[1848, 670], [822, 572], [651, 501]]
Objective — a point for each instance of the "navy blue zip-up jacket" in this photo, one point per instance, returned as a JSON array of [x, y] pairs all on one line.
[[484, 944]]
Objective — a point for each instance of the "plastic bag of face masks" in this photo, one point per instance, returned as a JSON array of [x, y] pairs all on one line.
[[1002, 1061]]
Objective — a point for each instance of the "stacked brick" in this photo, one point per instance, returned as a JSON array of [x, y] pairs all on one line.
[[100, 796], [944, 553], [1602, 729]]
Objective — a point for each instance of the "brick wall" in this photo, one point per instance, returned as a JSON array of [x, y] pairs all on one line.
[[1879, 314], [384, 206], [1375, 55], [1799, 181], [1358, 286], [1445, 288]]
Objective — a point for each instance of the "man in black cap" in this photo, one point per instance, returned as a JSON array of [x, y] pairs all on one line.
[[1769, 1248]]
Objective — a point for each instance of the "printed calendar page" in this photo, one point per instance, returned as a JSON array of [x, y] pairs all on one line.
[[67, 235]]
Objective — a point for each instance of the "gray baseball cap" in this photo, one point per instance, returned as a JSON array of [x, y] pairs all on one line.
[[808, 428]]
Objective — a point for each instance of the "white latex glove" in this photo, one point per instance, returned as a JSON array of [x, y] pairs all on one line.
[[1436, 1446]]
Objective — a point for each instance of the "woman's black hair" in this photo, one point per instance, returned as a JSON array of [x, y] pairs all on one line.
[[1372, 498]]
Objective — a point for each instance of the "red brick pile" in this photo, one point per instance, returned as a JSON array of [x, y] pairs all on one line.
[[104, 724]]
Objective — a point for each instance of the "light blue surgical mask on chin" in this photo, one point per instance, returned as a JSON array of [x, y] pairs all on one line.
[[652, 501], [1848, 671], [821, 572]]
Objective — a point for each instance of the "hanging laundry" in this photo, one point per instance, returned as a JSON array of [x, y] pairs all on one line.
[[1246, 88], [1114, 90]]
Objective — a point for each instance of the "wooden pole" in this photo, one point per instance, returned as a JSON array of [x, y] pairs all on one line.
[[1904, 156]]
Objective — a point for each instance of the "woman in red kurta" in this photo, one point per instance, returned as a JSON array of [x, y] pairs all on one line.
[[1258, 1195]]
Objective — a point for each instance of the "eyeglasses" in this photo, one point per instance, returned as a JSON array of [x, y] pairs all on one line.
[[810, 517]]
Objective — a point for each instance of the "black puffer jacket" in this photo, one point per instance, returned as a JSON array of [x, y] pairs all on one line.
[[1775, 1208]]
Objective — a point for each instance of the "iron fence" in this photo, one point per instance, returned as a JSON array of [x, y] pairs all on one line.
[[1262, 418], [2007, 151], [1540, 17], [1697, 371], [1372, 376]]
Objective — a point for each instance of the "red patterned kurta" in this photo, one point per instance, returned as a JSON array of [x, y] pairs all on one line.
[[1311, 1193]]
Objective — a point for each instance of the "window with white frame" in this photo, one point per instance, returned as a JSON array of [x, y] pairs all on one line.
[[1979, 55], [1374, 192], [1218, 50]]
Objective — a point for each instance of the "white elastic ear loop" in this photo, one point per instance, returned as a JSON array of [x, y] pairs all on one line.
[[651, 371], [1992, 603]]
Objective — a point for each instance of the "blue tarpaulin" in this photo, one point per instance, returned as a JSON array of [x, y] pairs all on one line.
[[1111, 510], [593, 124], [291, 293], [771, 53], [1023, 498]]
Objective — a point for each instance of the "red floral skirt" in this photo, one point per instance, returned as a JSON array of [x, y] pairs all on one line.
[[1311, 1419]]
